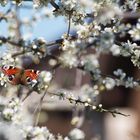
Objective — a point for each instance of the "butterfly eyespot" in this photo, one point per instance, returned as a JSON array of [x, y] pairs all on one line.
[[5, 67], [29, 80], [11, 77], [37, 72]]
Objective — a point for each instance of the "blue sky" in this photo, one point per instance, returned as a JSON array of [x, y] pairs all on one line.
[[48, 28]]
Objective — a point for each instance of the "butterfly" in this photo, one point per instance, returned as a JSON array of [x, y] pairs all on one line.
[[17, 75]]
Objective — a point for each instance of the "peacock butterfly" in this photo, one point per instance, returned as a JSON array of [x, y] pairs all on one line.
[[17, 76]]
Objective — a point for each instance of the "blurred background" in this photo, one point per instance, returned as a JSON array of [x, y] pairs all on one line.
[[59, 115]]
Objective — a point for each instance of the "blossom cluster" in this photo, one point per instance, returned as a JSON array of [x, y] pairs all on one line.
[[15, 113], [44, 81], [99, 29], [71, 9], [15, 119]]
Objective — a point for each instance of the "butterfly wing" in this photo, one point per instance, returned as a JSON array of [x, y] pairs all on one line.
[[9, 70], [18, 76], [12, 73], [29, 76]]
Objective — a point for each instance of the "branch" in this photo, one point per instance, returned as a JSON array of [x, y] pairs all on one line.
[[98, 108], [52, 2], [69, 24], [125, 15]]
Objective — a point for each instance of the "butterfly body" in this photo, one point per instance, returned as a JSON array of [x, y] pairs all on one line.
[[17, 76]]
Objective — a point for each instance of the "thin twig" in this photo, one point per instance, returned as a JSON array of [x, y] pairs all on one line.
[[27, 95], [39, 106], [98, 108], [18, 23], [69, 25]]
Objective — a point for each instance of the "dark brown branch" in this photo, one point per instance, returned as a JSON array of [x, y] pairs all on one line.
[[52, 2]]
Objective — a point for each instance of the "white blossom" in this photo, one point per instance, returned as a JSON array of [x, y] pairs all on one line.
[[7, 59], [69, 59], [37, 133], [127, 48], [109, 83], [69, 4], [130, 82], [76, 134], [3, 79], [68, 45], [132, 4], [135, 32], [44, 80], [119, 73], [115, 49], [94, 28], [135, 55], [107, 13], [47, 76], [8, 113], [89, 93], [4, 2], [83, 31], [39, 3], [90, 62]]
